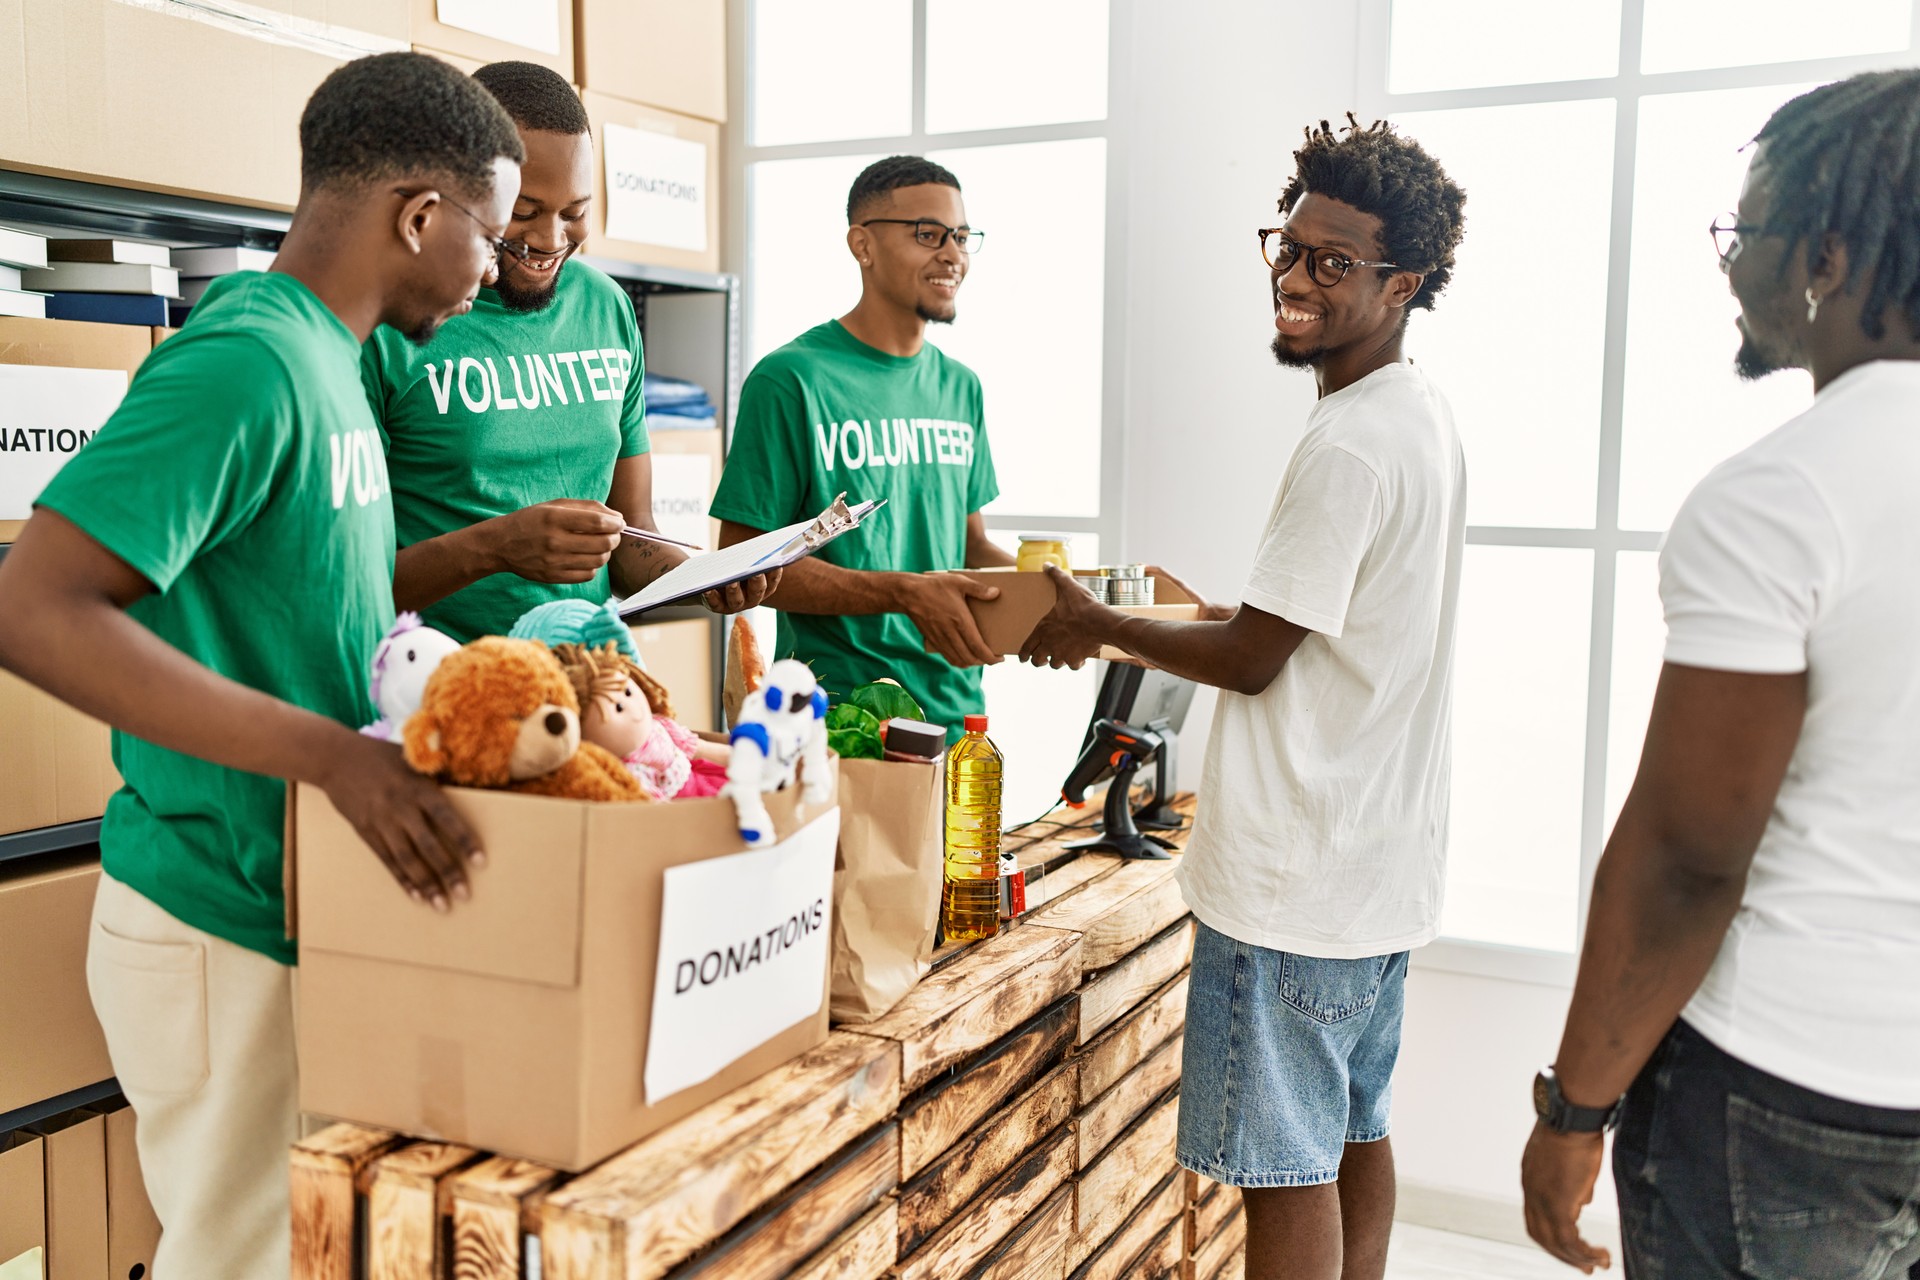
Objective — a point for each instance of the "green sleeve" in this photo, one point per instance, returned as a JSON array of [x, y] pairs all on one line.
[[764, 485], [983, 484], [633, 411], [189, 458], [375, 355]]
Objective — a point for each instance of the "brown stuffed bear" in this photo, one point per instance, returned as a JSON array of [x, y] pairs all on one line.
[[501, 713]]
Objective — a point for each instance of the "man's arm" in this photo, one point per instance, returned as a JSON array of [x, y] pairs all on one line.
[[566, 540], [936, 602], [983, 552], [637, 563], [1718, 745], [64, 627]]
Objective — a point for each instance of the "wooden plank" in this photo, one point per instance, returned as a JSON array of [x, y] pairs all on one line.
[[957, 1011], [863, 1251], [778, 1240], [494, 1205], [1211, 1263], [965, 1241], [1210, 1215], [1114, 1111], [1037, 1249], [1165, 1258], [1117, 1257], [1069, 872], [404, 1239], [939, 1194], [1107, 997], [1116, 934], [652, 1205], [1121, 1047], [951, 1109], [324, 1172], [1129, 1171]]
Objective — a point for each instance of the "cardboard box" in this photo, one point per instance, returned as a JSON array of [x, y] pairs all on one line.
[[656, 185], [680, 656], [670, 54], [519, 1022], [133, 1232], [23, 1208], [50, 1042], [174, 95], [56, 764], [1025, 598], [498, 30], [76, 1172], [59, 381], [686, 471], [466, 65]]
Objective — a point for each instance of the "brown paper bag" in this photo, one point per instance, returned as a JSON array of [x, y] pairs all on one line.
[[886, 883]]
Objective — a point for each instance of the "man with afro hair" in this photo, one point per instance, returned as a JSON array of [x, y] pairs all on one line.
[[1318, 854]]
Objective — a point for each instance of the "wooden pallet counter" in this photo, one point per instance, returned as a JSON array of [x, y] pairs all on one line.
[[1013, 1118]]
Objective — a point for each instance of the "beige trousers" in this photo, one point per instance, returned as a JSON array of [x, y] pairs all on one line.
[[201, 1036]]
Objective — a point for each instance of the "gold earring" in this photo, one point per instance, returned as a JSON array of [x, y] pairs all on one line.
[[1813, 306]]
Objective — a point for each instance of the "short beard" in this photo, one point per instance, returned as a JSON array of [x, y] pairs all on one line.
[[514, 298], [1312, 358], [935, 317], [1752, 361], [423, 333]]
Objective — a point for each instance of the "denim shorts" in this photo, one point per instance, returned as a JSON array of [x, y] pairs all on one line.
[[1288, 1059]]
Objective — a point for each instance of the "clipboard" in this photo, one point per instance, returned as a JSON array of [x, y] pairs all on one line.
[[775, 550]]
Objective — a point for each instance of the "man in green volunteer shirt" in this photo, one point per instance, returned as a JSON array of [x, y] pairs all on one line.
[[211, 576], [517, 440], [866, 406]]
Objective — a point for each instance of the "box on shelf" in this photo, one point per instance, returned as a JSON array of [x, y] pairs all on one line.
[[656, 185], [468, 65], [76, 1181], [686, 470], [56, 764], [50, 1042], [133, 1232], [497, 31], [524, 1021], [1026, 598], [23, 1205], [680, 656], [156, 105], [666, 53]]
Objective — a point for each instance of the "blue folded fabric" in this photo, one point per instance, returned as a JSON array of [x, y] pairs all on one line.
[[677, 420], [664, 393]]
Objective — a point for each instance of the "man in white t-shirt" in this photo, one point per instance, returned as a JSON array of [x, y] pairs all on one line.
[[1751, 976], [1317, 856]]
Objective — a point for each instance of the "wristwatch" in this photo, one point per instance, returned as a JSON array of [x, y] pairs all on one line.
[[1562, 1116]]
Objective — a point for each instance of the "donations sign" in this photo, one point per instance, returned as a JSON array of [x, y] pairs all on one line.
[[656, 188], [743, 954], [47, 415]]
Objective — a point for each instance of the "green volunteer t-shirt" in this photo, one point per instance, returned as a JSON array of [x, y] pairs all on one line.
[[502, 410], [242, 475], [828, 414]]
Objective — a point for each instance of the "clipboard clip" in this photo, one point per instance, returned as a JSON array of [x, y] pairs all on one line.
[[830, 524]]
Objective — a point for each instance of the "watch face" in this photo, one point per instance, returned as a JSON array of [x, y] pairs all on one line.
[[1542, 1099]]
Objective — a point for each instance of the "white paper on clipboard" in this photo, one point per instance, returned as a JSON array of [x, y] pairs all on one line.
[[774, 550]]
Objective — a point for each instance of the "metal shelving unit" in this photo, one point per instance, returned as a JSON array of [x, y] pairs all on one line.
[[45, 840], [11, 1120]]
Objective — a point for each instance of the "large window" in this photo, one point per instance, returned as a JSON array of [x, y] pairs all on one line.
[[1586, 344], [1014, 98]]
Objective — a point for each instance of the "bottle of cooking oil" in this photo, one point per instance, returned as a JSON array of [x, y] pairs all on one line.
[[970, 904]]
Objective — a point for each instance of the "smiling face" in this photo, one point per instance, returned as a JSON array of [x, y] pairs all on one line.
[[897, 267], [1313, 321], [549, 217]]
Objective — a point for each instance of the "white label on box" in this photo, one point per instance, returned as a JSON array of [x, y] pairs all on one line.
[[531, 24], [656, 188], [47, 415], [743, 954], [682, 491]]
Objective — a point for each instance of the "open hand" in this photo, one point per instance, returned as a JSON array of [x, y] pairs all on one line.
[[404, 818], [566, 540], [937, 603], [750, 593], [1073, 631], [1557, 1174]]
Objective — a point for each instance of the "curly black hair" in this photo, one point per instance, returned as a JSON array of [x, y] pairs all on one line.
[[403, 116], [884, 176], [1379, 170], [1845, 159], [537, 97]]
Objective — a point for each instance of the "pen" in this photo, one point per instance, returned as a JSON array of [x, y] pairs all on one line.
[[647, 535]]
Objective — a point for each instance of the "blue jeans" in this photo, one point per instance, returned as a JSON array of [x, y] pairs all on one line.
[[1726, 1171], [1287, 1059]]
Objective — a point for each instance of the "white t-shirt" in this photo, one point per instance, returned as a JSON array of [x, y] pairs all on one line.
[[1322, 826], [1803, 554]]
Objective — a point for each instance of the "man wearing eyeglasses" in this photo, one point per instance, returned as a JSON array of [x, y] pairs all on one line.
[[865, 406], [517, 441]]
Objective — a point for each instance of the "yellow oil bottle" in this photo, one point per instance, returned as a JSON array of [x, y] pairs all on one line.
[[970, 902]]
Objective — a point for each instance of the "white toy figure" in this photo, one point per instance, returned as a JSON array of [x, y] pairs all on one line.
[[783, 723], [401, 665]]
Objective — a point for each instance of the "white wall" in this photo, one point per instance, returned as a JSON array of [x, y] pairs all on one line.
[[1218, 95]]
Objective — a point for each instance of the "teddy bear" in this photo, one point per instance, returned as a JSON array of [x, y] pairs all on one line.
[[627, 711], [501, 713]]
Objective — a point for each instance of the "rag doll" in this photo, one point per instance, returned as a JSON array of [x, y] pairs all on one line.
[[628, 712]]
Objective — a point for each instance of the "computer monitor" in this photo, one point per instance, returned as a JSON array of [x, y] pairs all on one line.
[[1142, 696], [1140, 712]]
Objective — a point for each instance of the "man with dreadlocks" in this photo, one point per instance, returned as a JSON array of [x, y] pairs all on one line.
[[1751, 977], [1317, 857]]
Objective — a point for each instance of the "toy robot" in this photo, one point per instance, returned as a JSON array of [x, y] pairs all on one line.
[[782, 724], [401, 664]]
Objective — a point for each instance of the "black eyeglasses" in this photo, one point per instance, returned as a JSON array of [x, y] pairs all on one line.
[[932, 235], [1326, 267], [502, 247], [1726, 236]]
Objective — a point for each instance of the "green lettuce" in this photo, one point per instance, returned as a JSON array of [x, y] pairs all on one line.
[[886, 701], [853, 732]]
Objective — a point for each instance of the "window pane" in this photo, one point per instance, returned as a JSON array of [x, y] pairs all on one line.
[[1639, 638], [1032, 315], [1003, 64], [829, 69], [799, 273], [1461, 44], [1681, 35], [1530, 419], [1519, 746], [1684, 409]]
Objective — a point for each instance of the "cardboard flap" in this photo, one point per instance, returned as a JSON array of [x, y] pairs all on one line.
[[522, 923]]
